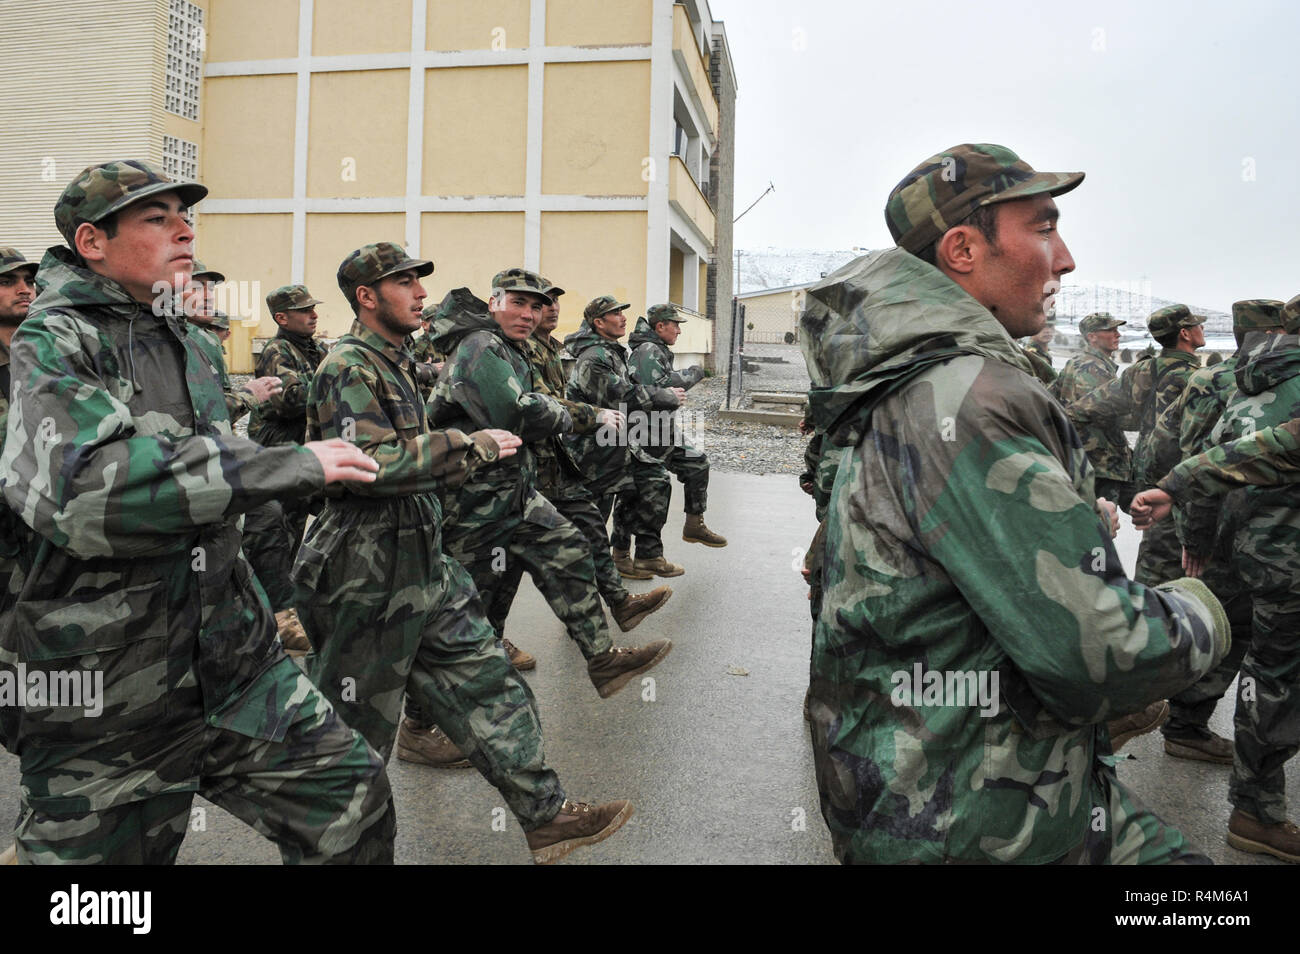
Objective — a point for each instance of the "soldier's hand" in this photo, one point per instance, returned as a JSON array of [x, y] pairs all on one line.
[[263, 389], [507, 443], [1150, 507], [1193, 565], [343, 461], [1110, 513], [681, 395], [608, 417]]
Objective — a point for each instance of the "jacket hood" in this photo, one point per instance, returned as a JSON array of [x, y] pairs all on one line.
[[1268, 363], [643, 333], [586, 337], [460, 313], [63, 281], [879, 321]]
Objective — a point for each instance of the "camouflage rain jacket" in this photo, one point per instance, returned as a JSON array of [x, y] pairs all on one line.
[[962, 540], [1105, 445], [119, 456], [238, 401], [488, 382], [1268, 458], [651, 365], [601, 378], [556, 464], [293, 359]]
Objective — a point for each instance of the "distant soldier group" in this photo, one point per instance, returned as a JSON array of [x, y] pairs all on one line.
[[144, 541]]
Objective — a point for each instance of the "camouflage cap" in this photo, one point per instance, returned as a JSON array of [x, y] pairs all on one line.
[[219, 320], [290, 298], [522, 280], [1162, 321], [11, 260], [204, 274], [110, 187], [1099, 321], [657, 313], [602, 306], [1291, 316], [945, 189], [554, 291], [370, 263], [1255, 314]]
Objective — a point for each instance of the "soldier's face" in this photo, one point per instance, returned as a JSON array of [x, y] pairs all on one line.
[[549, 321], [668, 332], [399, 303], [1107, 341], [1017, 277], [1196, 336], [153, 246], [612, 325], [298, 321], [517, 313], [17, 290], [200, 299]]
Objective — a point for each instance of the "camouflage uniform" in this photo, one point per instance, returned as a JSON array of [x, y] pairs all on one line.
[[1105, 445], [1270, 457], [293, 359], [1040, 361], [388, 612], [953, 453], [137, 575], [498, 517], [601, 377]]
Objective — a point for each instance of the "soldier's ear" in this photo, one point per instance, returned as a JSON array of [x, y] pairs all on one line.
[[366, 297], [955, 251], [89, 241]]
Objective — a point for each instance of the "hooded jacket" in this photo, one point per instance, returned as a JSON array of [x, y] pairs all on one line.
[[962, 546], [119, 455], [293, 359], [651, 365]]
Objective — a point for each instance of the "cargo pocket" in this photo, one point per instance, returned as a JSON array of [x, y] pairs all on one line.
[[93, 667]]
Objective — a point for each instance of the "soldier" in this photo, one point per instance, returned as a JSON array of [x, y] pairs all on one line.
[[560, 480], [388, 611], [613, 466], [422, 341], [1040, 355], [137, 584], [964, 547], [1092, 367], [1138, 398], [17, 289], [651, 365], [499, 517], [1183, 430]]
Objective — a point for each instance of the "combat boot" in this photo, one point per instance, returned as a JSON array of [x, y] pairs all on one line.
[[1139, 723], [292, 636], [623, 563], [696, 532], [657, 567], [609, 672], [576, 824], [1248, 833], [632, 610], [1210, 747], [428, 747], [518, 658]]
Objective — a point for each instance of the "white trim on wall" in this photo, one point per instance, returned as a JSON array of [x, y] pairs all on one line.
[[415, 127], [428, 203], [661, 144], [427, 59], [687, 231], [537, 58], [301, 128]]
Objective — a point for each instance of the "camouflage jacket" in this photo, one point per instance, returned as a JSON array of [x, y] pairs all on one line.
[[4, 390], [601, 378], [238, 401], [283, 418], [119, 456], [1193, 419], [423, 350], [365, 391], [651, 364], [1040, 360], [556, 464], [488, 382], [962, 541], [1105, 445], [1268, 458]]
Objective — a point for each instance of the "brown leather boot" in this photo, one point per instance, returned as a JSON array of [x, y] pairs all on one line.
[[629, 613], [1248, 833], [696, 532], [518, 658], [658, 567], [1214, 749], [623, 563], [428, 747], [609, 672], [577, 824], [1130, 727], [292, 636]]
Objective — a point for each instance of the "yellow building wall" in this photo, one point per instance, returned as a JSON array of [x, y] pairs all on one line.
[[702, 299], [675, 262], [476, 130], [357, 138], [594, 253], [330, 237], [468, 248], [696, 337], [598, 22], [252, 30], [340, 27], [477, 25], [247, 149], [597, 128]]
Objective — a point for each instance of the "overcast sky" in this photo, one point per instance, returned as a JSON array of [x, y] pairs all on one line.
[[1183, 115]]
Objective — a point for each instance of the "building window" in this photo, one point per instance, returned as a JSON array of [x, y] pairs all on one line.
[[180, 159], [185, 39]]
